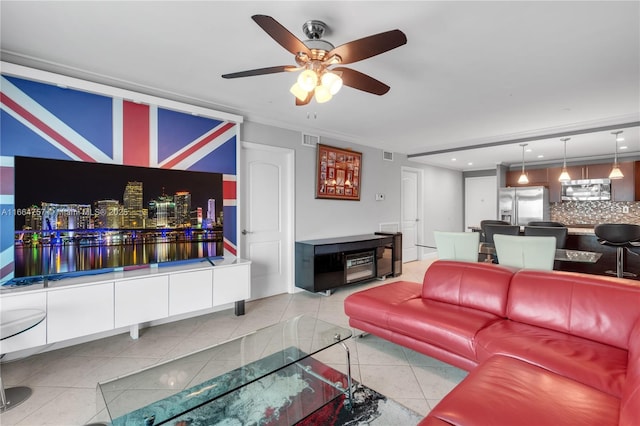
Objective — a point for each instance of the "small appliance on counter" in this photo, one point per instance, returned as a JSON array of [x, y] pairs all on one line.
[[586, 190]]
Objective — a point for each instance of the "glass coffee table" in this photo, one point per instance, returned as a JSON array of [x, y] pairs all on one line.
[[269, 374]]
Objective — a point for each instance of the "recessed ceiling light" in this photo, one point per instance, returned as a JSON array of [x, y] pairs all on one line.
[[528, 150], [453, 159], [469, 163], [622, 147], [540, 156]]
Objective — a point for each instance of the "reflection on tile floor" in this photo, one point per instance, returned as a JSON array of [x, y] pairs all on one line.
[[64, 381]]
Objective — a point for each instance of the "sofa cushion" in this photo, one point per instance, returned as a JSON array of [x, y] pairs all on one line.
[[506, 391], [630, 403], [594, 307], [441, 324], [372, 305], [595, 364], [482, 286], [433, 421]]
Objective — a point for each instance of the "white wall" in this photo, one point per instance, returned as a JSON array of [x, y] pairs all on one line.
[[443, 202], [320, 218]]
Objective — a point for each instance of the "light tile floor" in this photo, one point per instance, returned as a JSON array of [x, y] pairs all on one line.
[[64, 381]]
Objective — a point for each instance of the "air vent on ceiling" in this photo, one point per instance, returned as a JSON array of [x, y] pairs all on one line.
[[387, 155], [310, 140]]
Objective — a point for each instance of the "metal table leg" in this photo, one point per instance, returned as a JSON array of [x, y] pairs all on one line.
[[13, 397], [349, 383]]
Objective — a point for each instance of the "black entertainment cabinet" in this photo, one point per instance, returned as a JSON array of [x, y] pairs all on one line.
[[325, 264]]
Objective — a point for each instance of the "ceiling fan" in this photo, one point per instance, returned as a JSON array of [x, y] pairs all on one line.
[[316, 59]]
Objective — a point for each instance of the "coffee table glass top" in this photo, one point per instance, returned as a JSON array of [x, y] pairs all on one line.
[[165, 391]]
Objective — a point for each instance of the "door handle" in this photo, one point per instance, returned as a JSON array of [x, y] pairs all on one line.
[[245, 232]]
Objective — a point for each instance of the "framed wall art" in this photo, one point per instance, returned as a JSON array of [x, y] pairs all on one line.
[[338, 173]]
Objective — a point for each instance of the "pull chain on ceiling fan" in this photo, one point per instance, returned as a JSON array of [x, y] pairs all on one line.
[[316, 57]]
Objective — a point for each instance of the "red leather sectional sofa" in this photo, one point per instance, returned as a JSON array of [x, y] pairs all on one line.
[[542, 347]]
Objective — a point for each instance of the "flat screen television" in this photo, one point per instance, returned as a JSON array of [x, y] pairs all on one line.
[[74, 217]]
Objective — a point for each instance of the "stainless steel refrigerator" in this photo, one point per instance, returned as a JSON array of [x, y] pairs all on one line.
[[522, 205]]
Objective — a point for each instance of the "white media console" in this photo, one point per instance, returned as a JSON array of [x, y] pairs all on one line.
[[98, 305]]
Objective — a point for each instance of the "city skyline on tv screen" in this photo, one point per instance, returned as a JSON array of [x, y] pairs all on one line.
[[39, 180]]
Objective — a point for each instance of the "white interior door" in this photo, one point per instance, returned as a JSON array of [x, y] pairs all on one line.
[[480, 200], [410, 213], [267, 218]]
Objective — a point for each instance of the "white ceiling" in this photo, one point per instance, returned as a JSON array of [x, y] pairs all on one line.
[[471, 72]]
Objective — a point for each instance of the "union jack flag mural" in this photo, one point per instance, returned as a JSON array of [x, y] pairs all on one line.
[[47, 121]]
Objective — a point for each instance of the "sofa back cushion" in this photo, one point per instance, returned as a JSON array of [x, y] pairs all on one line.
[[482, 286], [630, 403], [593, 307]]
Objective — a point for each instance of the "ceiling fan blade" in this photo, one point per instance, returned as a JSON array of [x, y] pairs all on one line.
[[281, 34], [367, 47], [307, 99], [360, 81], [261, 71]]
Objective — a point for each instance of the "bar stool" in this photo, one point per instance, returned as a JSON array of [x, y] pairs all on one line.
[[622, 236], [483, 228], [546, 223]]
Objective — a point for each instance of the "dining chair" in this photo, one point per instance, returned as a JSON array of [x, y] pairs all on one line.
[[493, 229], [560, 233], [483, 226], [461, 246], [525, 252]]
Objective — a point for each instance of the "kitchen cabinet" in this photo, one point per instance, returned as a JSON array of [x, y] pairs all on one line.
[[597, 171], [537, 177], [637, 180], [624, 189], [555, 186]]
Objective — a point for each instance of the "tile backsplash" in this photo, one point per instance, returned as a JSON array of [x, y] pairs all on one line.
[[594, 212]]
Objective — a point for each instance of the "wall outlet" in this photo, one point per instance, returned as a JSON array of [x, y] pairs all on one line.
[[379, 197], [625, 209]]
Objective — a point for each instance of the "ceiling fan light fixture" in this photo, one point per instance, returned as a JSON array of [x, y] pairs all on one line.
[[299, 92], [322, 94], [331, 81], [308, 80]]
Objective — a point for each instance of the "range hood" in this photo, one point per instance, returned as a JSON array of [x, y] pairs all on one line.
[[586, 190]]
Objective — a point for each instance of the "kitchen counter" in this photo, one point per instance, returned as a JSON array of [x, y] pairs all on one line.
[[572, 229], [580, 230]]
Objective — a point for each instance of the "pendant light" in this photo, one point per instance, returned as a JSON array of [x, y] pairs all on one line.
[[616, 173], [523, 179], [564, 175]]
